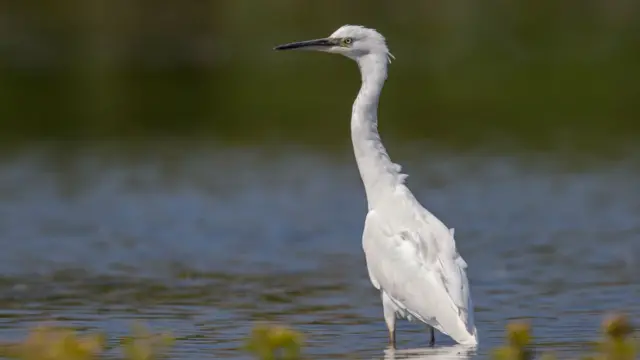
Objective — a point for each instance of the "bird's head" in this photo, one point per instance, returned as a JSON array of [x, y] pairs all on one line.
[[352, 41]]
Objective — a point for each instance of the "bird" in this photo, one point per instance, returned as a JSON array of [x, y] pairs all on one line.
[[411, 256]]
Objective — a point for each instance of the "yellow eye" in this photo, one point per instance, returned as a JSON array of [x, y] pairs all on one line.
[[347, 41]]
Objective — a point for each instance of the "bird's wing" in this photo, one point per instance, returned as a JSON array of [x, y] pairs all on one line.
[[420, 269]]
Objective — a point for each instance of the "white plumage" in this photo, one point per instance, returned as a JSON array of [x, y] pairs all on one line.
[[411, 256]]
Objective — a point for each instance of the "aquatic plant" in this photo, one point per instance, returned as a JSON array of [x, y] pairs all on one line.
[[55, 343], [278, 342], [50, 342], [518, 345], [617, 343], [271, 342], [144, 345]]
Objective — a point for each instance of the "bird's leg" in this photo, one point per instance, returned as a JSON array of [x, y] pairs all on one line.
[[390, 318], [432, 342], [392, 339]]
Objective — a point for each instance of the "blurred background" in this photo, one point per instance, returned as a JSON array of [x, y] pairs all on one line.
[[161, 162], [521, 72]]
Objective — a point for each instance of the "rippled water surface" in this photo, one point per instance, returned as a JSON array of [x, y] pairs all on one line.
[[206, 241]]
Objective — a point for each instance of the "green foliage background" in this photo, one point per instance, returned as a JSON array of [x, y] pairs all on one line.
[[537, 73]]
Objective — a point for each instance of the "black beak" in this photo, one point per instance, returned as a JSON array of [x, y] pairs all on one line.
[[309, 44]]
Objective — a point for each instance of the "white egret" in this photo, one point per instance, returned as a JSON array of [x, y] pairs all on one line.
[[411, 256]]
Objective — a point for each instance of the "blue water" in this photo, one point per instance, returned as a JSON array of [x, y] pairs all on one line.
[[206, 241]]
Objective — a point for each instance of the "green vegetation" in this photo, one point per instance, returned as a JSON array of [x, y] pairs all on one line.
[[533, 72], [57, 343], [617, 342], [275, 342], [272, 342]]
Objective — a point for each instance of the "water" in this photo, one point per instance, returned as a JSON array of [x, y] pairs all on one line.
[[205, 241]]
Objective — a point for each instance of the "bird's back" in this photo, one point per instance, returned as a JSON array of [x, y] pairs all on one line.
[[411, 256]]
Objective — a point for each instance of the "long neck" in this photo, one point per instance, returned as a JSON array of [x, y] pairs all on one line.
[[379, 174]]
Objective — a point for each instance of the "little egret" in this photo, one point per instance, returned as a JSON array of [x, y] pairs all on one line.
[[411, 256]]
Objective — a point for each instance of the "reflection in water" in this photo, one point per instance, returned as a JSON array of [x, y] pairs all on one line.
[[206, 242], [454, 352]]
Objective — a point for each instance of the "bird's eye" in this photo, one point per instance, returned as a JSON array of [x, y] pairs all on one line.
[[347, 41]]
